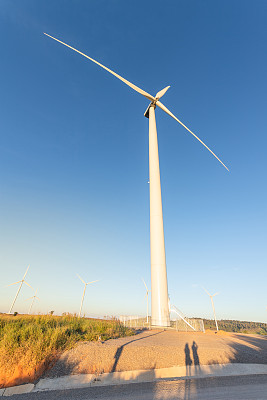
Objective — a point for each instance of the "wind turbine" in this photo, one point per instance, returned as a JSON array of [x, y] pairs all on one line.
[[21, 283], [211, 298], [160, 315], [85, 284], [33, 299], [146, 296]]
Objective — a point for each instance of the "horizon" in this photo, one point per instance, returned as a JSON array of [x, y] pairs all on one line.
[[111, 317]]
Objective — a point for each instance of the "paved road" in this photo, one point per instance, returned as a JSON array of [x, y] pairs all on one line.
[[236, 388]]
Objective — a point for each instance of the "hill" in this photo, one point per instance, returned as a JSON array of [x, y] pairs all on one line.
[[226, 325]]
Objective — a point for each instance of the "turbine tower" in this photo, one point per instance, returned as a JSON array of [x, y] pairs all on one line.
[[21, 283], [160, 315], [33, 299], [85, 284], [212, 303]]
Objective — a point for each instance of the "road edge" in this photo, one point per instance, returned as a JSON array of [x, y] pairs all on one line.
[[136, 376]]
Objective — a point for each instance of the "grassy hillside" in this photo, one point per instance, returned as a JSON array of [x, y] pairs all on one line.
[[237, 326], [28, 344]]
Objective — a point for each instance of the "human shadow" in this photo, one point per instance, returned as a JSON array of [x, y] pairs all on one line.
[[188, 359], [188, 364], [195, 354], [120, 349]]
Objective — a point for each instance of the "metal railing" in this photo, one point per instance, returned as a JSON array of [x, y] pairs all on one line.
[[182, 324]]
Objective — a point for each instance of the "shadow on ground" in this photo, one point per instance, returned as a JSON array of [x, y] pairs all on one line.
[[105, 359], [120, 349], [189, 350], [245, 349]]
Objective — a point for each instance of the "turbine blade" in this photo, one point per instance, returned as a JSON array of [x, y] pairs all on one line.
[[145, 284], [176, 119], [81, 279], [162, 92], [92, 282], [206, 291], [215, 294], [29, 298], [13, 283], [28, 284], [26, 272], [136, 88]]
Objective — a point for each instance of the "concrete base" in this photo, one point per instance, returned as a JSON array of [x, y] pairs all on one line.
[[18, 389], [138, 376], [161, 327]]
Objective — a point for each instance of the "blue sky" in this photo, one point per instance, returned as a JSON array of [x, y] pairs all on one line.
[[74, 196]]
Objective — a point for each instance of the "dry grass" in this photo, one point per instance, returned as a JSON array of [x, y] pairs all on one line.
[[29, 344]]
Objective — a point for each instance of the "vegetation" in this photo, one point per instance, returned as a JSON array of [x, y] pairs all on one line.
[[237, 326], [28, 344]]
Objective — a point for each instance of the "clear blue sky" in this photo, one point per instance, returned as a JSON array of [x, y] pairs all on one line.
[[74, 196]]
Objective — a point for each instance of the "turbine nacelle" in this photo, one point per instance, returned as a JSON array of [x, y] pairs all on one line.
[[157, 97]]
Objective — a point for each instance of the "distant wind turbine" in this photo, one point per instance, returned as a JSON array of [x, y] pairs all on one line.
[[146, 296], [85, 284], [21, 283], [211, 298], [160, 315], [33, 299]]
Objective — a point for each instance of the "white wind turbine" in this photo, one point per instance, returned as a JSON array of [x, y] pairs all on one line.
[[160, 315], [21, 283], [85, 284], [33, 299], [211, 298], [146, 296]]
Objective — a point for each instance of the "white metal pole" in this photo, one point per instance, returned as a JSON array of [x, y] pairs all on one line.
[[211, 297], [9, 312], [82, 301], [160, 315]]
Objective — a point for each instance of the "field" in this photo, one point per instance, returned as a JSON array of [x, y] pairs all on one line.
[[30, 344]]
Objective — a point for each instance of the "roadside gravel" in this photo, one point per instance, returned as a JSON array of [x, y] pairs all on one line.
[[158, 349]]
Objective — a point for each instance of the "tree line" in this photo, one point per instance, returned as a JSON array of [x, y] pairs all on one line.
[[226, 325]]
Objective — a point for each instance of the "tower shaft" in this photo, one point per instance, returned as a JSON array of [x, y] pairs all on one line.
[[160, 315]]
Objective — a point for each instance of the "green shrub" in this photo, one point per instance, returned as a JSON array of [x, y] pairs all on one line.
[[31, 340]]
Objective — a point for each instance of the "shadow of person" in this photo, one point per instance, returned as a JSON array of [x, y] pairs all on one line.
[[195, 355], [188, 360], [188, 363]]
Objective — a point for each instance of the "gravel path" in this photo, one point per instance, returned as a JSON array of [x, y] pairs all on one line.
[[159, 349]]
